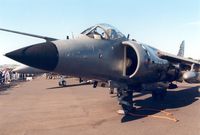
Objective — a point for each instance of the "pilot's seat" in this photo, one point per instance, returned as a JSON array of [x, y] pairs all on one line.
[[103, 31], [97, 36]]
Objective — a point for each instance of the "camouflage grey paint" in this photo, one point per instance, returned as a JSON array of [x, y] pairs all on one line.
[[104, 60], [103, 56], [89, 57]]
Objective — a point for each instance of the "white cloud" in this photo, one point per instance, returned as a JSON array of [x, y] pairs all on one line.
[[194, 23]]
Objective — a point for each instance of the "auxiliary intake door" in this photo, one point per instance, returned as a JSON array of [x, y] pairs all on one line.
[[130, 61]]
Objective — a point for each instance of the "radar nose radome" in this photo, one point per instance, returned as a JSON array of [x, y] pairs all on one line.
[[43, 56]]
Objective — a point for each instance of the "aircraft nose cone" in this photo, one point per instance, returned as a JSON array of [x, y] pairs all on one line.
[[43, 56]]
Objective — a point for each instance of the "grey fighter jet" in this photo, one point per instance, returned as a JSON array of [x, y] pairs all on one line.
[[103, 53]]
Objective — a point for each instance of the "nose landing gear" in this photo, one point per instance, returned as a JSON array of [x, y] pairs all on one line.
[[62, 82]]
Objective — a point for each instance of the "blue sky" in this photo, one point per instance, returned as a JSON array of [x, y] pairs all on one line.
[[162, 24]]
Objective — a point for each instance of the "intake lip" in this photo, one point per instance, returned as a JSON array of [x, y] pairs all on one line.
[[43, 56]]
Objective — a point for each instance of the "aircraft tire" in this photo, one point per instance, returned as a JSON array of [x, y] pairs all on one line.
[[62, 83]]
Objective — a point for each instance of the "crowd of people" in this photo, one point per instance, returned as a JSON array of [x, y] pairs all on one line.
[[7, 76]]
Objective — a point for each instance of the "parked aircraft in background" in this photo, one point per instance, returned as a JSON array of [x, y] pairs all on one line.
[[23, 69]]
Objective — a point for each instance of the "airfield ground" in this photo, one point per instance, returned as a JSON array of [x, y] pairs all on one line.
[[39, 107]]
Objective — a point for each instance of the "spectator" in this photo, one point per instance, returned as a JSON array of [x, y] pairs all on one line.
[[1, 78]]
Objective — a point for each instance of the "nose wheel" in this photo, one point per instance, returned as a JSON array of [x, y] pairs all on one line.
[[62, 83]]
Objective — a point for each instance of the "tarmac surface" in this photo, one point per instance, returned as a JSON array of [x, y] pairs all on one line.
[[39, 107]]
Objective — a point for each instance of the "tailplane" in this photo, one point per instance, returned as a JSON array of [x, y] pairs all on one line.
[[181, 50]]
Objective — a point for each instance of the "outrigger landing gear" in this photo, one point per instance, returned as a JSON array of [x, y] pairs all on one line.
[[125, 98]]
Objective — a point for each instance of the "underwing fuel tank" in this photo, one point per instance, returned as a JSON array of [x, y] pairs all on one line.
[[191, 77]]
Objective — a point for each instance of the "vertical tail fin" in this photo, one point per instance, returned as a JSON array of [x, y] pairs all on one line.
[[181, 50]]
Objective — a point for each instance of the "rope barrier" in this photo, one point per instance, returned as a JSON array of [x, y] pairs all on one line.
[[168, 115]]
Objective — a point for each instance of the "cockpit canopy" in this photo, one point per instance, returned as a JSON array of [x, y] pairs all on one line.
[[103, 31]]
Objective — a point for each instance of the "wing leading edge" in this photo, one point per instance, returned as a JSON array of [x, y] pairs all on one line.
[[31, 35], [177, 59]]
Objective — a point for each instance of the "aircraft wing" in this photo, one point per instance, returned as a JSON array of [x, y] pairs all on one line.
[[178, 59], [28, 34]]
